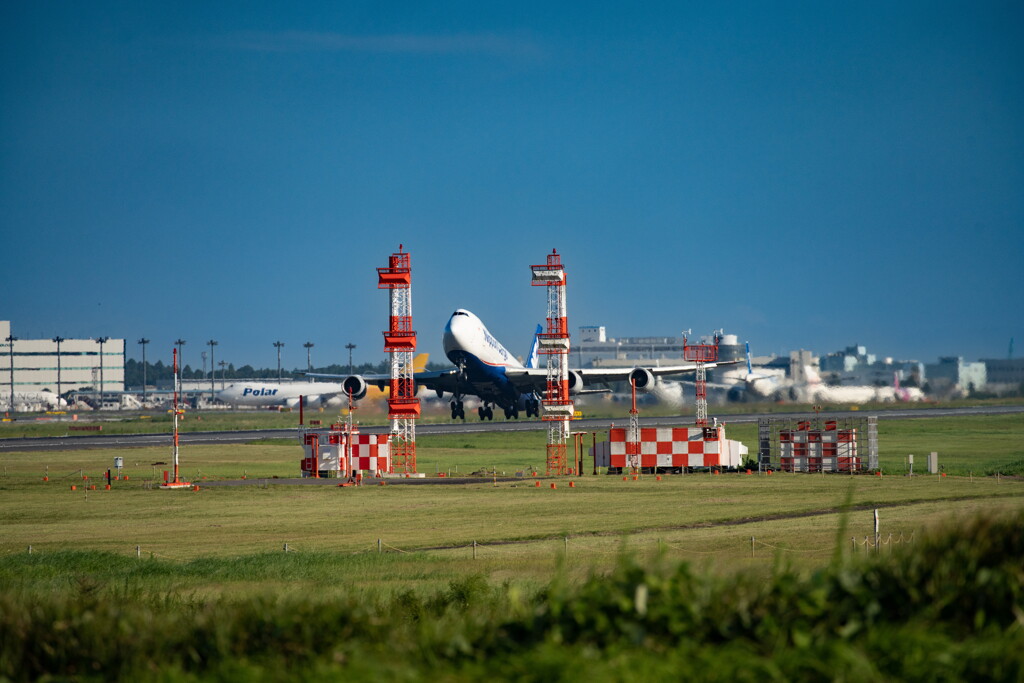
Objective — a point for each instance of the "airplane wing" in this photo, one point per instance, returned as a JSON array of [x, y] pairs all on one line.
[[441, 381], [535, 379]]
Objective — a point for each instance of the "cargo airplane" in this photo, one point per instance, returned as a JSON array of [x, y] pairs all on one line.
[[485, 369], [286, 394]]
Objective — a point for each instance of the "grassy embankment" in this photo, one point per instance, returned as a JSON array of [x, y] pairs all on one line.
[[947, 607]]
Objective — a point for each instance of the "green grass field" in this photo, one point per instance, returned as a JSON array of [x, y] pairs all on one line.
[[519, 528], [739, 576]]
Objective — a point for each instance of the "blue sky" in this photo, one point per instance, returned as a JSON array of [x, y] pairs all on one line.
[[805, 175]]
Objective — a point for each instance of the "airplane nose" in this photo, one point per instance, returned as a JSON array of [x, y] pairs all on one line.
[[455, 333]]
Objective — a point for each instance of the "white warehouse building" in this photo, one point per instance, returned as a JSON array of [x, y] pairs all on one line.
[[59, 366]]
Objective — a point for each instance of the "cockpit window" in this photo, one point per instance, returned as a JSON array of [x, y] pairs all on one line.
[[459, 313]]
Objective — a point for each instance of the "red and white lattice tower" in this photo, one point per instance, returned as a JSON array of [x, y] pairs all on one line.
[[400, 342], [554, 343], [701, 354], [633, 433]]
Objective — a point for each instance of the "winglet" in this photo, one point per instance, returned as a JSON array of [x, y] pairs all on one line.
[[531, 360], [419, 363], [750, 370]]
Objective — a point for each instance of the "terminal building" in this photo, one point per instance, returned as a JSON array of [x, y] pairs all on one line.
[[1004, 375], [952, 375], [855, 366], [59, 365], [595, 349]]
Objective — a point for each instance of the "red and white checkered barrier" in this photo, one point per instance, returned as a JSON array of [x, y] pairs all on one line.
[[371, 452], [328, 453], [670, 447]]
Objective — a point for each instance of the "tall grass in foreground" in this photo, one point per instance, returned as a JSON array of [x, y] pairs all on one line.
[[950, 607]]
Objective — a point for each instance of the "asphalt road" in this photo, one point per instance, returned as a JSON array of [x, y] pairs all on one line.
[[66, 443]]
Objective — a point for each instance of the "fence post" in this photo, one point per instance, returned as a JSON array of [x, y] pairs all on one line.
[[751, 546], [30, 550], [878, 536], [474, 550], [138, 552], [286, 547], [379, 547]]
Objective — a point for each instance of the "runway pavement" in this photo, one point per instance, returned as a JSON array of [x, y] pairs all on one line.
[[66, 443]]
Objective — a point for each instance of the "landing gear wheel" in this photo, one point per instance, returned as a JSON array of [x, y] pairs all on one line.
[[457, 410]]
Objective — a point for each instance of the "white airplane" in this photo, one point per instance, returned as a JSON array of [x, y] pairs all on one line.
[[753, 386], [286, 394], [486, 369], [25, 401], [898, 393], [816, 391]]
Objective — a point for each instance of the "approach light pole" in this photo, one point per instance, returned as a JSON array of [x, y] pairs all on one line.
[[213, 367], [58, 339], [143, 341], [309, 363], [101, 341], [10, 347], [179, 343], [350, 346], [279, 344]]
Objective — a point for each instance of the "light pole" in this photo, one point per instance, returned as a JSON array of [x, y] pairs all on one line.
[[350, 346], [309, 364], [179, 343], [10, 346], [58, 339], [213, 367], [279, 344], [181, 363], [143, 341], [101, 341], [222, 364]]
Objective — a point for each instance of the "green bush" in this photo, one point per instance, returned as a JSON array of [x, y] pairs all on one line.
[[946, 608]]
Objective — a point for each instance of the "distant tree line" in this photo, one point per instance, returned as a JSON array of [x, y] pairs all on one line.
[[159, 372]]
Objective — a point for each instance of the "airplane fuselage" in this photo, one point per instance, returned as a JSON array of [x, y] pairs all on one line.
[[481, 357], [267, 394]]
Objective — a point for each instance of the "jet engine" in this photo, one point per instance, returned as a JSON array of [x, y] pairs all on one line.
[[575, 382], [643, 378], [355, 385]]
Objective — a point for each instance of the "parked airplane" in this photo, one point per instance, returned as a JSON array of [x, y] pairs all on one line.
[[898, 393], [486, 369], [815, 391], [25, 401], [753, 386], [908, 394], [316, 394]]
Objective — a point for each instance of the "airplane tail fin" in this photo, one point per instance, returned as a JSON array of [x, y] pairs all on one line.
[[750, 369], [531, 360], [419, 362]]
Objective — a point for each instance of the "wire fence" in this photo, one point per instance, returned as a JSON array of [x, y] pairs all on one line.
[[585, 546]]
